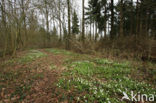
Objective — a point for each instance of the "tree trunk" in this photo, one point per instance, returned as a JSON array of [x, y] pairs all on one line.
[[96, 32], [137, 17], [16, 34], [69, 27], [90, 29], [141, 21], [105, 23], [112, 19], [121, 18], [60, 20], [131, 24], [5, 28], [47, 21], [83, 22], [24, 22], [93, 30]]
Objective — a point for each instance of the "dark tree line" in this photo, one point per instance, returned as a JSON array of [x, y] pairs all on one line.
[[127, 17], [54, 23]]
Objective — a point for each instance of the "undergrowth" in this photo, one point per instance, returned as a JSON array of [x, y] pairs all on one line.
[[101, 80], [27, 58]]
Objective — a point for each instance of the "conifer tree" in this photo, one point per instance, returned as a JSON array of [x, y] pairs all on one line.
[[75, 26]]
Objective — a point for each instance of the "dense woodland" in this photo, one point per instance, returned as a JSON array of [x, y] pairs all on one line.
[[127, 25]]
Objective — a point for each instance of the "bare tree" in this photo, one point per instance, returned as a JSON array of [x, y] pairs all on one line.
[[69, 27], [4, 26], [60, 20]]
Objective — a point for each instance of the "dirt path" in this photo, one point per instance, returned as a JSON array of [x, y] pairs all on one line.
[[44, 72], [43, 89]]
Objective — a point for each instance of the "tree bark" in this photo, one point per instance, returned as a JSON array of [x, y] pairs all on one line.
[[69, 27], [93, 30], [24, 22], [137, 17], [131, 25], [5, 28], [83, 23], [121, 18], [90, 29], [105, 23], [47, 20], [112, 19], [60, 20]]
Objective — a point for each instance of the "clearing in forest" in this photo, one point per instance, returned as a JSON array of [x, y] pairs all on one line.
[[59, 76]]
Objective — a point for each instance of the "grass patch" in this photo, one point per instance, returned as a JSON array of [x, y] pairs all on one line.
[[82, 68], [101, 80], [59, 51], [31, 56], [27, 58]]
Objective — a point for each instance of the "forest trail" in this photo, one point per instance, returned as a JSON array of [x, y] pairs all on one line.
[[77, 51], [46, 69], [51, 67], [60, 76]]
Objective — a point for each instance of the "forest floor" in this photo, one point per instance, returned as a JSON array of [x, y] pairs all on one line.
[[59, 76]]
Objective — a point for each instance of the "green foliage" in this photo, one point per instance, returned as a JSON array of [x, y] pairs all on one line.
[[59, 51], [21, 91], [27, 58], [17, 81], [95, 13], [75, 26], [102, 61], [102, 81], [33, 55], [84, 68]]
